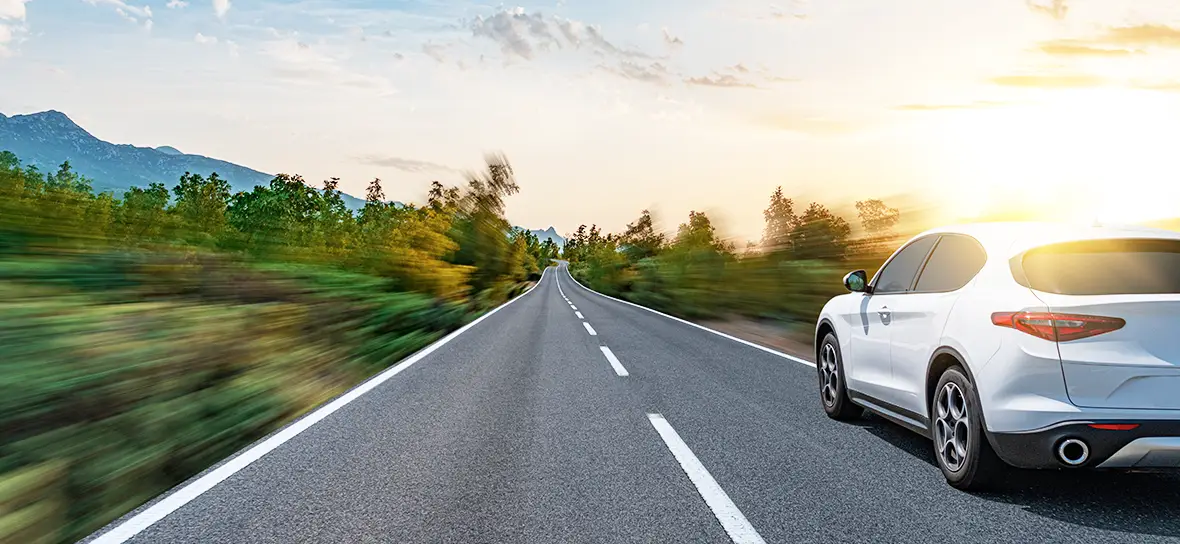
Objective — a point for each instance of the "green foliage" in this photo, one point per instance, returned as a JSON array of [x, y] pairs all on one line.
[[697, 275], [143, 339]]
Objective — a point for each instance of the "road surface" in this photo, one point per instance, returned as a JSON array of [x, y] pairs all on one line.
[[567, 416]]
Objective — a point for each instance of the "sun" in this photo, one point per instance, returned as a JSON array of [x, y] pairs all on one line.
[[1092, 155]]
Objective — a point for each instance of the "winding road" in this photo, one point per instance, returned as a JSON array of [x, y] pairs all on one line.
[[568, 416]]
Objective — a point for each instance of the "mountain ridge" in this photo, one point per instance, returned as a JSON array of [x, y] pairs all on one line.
[[48, 138]]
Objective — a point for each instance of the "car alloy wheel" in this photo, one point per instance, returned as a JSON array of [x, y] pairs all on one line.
[[829, 376], [952, 427]]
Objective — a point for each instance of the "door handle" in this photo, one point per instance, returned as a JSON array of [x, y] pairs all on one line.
[[884, 313]]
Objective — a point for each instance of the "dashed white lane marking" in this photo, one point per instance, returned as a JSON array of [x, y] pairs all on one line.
[[574, 307], [701, 327], [590, 329], [184, 495], [732, 520], [579, 314], [614, 361]]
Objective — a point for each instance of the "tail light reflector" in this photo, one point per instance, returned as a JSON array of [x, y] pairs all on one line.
[[1114, 426], [1058, 327]]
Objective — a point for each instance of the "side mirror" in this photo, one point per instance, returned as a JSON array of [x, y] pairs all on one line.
[[857, 282]]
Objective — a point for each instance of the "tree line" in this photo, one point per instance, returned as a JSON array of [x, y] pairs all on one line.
[[457, 246], [694, 272]]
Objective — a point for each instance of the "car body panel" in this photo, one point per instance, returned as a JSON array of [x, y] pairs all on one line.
[[1137, 366]]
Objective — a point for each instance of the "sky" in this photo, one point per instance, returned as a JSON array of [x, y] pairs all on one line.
[[610, 107]]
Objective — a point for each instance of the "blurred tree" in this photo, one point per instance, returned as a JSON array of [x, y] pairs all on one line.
[[640, 240], [201, 206], [820, 234], [876, 218], [780, 223], [481, 229]]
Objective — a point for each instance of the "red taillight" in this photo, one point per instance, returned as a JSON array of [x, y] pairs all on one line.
[[1058, 327], [1114, 426]]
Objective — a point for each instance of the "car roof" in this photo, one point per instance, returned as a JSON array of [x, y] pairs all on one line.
[[1011, 238]]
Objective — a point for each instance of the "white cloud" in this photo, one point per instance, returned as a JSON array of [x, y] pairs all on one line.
[[13, 9], [300, 62], [435, 51], [521, 34], [203, 39], [177, 4], [221, 7], [127, 11], [670, 40]]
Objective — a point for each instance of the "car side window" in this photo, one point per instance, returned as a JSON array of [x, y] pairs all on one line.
[[955, 262], [898, 274]]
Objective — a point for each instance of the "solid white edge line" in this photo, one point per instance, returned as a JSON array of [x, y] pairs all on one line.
[[702, 327], [590, 329], [614, 361], [579, 314], [732, 520], [182, 496]]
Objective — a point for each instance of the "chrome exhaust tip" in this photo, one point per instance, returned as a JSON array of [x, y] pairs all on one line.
[[1073, 452]]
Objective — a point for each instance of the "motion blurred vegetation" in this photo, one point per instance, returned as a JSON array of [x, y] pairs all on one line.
[[144, 338], [784, 279]]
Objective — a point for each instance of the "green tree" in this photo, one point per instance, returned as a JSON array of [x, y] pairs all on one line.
[[640, 240], [201, 206], [877, 218], [780, 223], [820, 234]]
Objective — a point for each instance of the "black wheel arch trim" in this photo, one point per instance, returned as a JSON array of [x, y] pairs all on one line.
[[947, 350]]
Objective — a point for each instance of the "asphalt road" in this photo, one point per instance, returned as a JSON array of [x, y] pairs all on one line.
[[520, 429]]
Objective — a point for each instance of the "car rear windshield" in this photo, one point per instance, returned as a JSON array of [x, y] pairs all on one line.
[[1102, 267]]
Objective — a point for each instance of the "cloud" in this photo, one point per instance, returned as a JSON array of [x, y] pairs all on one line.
[[521, 35], [1056, 9], [128, 11], [516, 32], [653, 72], [1166, 86], [204, 40], [670, 40], [177, 4], [796, 12], [978, 104], [299, 62], [1143, 35], [738, 76], [406, 165], [221, 7], [806, 123], [1050, 81], [720, 80], [13, 9], [435, 51], [1070, 48]]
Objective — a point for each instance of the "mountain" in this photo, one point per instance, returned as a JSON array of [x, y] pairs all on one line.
[[549, 234], [49, 138]]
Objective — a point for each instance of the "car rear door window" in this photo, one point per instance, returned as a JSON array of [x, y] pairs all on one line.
[[1102, 267], [955, 262], [898, 274]]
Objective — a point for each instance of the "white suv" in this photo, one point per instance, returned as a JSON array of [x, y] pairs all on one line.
[[1031, 345]]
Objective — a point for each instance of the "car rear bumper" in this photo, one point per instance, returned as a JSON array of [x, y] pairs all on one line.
[[1153, 444]]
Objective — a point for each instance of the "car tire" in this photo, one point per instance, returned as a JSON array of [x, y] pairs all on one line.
[[833, 394], [961, 447]]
